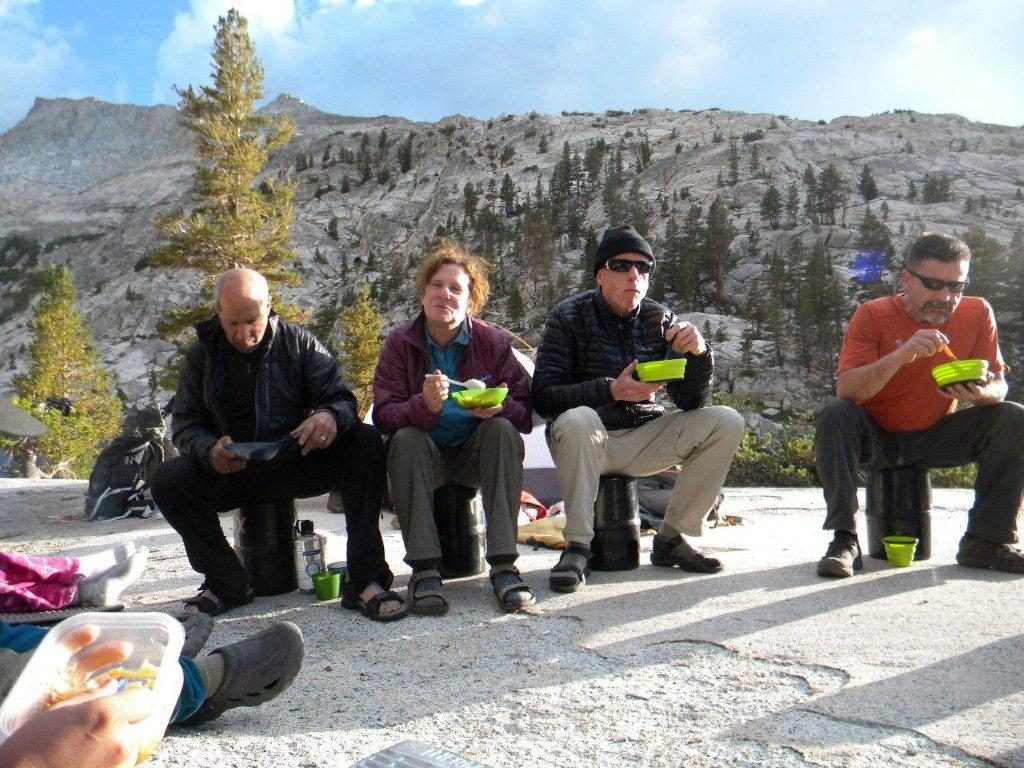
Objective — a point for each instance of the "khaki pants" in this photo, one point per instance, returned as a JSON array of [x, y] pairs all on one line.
[[702, 441], [491, 460]]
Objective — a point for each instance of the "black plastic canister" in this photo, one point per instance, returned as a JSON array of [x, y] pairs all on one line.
[[898, 502], [616, 542], [264, 534], [459, 517]]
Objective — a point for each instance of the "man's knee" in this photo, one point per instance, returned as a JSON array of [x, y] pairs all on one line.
[[837, 414], [729, 422], [576, 422], [171, 476]]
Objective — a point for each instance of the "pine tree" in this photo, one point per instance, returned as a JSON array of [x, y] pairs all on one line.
[[63, 363], [811, 201], [867, 187], [831, 193], [360, 347], [234, 223], [771, 206], [718, 236], [792, 205], [733, 156], [405, 153], [875, 254]]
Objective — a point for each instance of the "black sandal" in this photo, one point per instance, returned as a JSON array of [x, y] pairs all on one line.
[[571, 571], [207, 602], [512, 592], [425, 586], [371, 608]]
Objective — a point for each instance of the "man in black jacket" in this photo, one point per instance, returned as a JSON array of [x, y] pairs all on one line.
[[601, 420], [253, 377]]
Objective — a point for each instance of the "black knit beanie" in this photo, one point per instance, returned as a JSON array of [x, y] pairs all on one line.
[[616, 240]]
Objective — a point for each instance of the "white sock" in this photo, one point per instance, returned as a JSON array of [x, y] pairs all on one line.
[[97, 562], [104, 589]]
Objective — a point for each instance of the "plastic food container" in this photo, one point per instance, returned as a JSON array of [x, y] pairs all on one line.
[[960, 372], [662, 370], [480, 398], [50, 675]]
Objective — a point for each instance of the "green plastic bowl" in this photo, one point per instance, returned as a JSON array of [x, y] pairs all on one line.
[[480, 398], [900, 550], [960, 372], [661, 370]]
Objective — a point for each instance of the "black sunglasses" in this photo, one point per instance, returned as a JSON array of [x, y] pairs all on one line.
[[624, 265], [934, 284]]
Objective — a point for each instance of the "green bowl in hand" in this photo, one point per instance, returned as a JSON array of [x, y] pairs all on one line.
[[480, 398], [661, 370], [960, 372]]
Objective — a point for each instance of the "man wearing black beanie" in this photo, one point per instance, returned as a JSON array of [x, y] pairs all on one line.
[[602, 420]]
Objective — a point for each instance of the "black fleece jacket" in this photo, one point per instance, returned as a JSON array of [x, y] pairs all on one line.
[[586, 346], [297, 377]]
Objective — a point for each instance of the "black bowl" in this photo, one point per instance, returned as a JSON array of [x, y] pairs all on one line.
[[260, 451]]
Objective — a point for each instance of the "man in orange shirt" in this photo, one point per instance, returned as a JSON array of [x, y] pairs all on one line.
[[890, 413]]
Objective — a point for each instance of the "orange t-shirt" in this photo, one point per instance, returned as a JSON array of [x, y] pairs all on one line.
[[910, 401]]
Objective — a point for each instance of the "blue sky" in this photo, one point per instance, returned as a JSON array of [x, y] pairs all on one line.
[[425, 59]]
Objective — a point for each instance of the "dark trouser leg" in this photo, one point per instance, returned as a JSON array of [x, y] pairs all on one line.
[[416, 468], [190, 497], [492, 460], [845, 437], [362, 481], [993, 436]]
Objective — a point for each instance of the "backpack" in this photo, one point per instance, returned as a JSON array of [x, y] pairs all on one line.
[[119, 481]]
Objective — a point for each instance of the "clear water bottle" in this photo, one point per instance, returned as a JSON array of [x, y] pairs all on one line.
[[309, 554]]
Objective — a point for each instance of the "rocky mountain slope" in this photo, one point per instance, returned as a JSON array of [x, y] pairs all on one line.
[[81, 182]]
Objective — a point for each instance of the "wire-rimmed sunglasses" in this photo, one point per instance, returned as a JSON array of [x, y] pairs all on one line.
[[624, 265], [934, 284]]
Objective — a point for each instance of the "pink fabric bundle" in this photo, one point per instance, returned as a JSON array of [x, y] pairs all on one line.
[[32, 583]]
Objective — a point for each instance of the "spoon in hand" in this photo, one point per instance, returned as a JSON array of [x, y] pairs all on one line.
[[468, 384]]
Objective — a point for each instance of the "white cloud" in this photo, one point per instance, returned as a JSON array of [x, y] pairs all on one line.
[[184, 57], [965, 62], [34, 60]]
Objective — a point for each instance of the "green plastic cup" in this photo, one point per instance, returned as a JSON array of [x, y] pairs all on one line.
[[326, 585], [900, 550]]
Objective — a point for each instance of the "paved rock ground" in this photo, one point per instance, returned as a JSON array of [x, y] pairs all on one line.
[[764, 664]]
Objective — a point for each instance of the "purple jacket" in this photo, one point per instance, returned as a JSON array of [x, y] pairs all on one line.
[[398, 381]]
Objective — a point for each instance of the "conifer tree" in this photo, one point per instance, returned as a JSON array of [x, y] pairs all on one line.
[[234, 222], [360, 347], [64, 363], [792, 205], [718, 236], [830, 193], [867, 187], [733, 156], [875, 253], [771, 206]]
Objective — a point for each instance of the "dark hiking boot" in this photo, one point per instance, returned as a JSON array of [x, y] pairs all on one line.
[[981, 553], [843, 556]]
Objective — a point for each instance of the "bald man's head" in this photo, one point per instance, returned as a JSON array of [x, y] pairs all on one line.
[[242, 301]]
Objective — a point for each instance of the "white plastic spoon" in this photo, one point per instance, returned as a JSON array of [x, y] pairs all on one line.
[[468, 384]]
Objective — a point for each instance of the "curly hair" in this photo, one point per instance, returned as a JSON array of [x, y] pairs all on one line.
[[450, 252]]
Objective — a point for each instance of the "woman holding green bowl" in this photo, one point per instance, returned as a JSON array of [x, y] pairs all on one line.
[[434, 441]]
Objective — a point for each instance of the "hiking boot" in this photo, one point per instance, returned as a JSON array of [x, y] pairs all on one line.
[[843, 556], [982, 553]]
